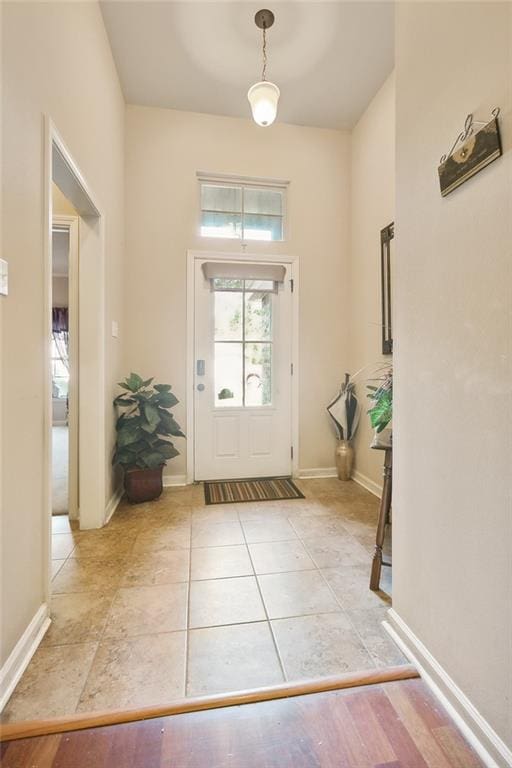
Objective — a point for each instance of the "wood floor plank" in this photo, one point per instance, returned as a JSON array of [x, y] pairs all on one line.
[[397, 731], [458, 752], [428, 707], [417, 727], [394, 764], [35, 752], [329, 723], [335, 729], [370, 728]]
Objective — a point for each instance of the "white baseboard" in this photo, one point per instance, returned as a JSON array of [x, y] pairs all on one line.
[[490, 747], [365, 482], [113, 503], [304, 474], [171, 480], [21, 654]]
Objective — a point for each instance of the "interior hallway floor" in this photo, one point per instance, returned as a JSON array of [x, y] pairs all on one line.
[[176, 598], [60, 469]]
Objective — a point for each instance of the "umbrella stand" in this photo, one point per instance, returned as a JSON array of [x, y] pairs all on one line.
[[344, 411]]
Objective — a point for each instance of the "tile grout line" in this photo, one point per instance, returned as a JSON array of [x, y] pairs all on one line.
[[187, 621], [101, 635], [336, 598], [269, 623], [285, 516], [118, 638]]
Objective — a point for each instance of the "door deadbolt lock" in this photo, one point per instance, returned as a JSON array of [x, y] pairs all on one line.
[[200, 387]]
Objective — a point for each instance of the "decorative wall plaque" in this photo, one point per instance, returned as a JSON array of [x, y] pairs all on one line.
[[471, 152]]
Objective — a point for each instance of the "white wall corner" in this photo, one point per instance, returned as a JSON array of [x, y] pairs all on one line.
[[22, 653], [113, 503], [304, 474], [491, 749], [172, 480], [365, 482]]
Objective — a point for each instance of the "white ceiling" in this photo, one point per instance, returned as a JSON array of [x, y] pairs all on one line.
[[328, 58]]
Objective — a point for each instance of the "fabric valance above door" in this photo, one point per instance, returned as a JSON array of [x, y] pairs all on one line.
[[249, 271]]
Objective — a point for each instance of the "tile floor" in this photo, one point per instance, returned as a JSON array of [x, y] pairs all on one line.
[[175, 598]]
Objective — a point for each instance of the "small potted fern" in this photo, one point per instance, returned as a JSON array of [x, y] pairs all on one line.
[[381, 411], [144, 428]]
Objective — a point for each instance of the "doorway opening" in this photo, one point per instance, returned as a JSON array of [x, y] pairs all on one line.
[[75, 440], [64, 358], [242, 367]]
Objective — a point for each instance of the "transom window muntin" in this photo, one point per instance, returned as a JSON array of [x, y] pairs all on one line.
[[243, 342], [242, 211]]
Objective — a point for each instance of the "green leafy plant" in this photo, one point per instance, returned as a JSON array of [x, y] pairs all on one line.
[[381, 397], [145, 424]]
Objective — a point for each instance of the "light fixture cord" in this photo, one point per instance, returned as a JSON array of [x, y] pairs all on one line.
[[264, 71]]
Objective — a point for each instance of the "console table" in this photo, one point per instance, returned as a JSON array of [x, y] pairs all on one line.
[[384, 510]]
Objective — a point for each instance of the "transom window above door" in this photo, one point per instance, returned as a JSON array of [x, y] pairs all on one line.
[[243, 338], [242, 211]]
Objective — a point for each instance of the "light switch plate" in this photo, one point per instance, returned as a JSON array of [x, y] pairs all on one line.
[[4, 277], [115, 329]]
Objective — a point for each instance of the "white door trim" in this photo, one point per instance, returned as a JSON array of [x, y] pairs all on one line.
[[60, 165], [192, 257]]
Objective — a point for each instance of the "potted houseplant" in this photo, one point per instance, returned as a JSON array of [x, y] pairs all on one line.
[[144, 428], [381, 399], [344, 411]]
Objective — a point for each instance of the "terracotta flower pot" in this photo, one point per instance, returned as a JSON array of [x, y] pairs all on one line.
[[143, 484]]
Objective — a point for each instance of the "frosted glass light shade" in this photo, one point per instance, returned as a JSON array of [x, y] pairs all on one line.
[[263, 98]]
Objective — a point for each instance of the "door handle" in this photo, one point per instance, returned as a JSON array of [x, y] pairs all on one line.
[[200, 367]]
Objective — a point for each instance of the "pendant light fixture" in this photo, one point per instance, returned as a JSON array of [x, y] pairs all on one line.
[[264, 96]]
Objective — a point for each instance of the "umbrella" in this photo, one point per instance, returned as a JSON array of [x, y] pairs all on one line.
[[345, 410]]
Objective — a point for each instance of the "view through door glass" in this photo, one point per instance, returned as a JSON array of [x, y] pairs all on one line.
[[243, 342]]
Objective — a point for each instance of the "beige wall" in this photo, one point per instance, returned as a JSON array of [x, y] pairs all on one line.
[[164, 149], [452, 563], [44, 74], [372, 206]]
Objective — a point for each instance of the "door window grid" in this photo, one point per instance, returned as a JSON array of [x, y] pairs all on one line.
[[230, 216], [256, 384]]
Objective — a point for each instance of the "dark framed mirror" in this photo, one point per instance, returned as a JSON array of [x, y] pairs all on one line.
[[386, 259]]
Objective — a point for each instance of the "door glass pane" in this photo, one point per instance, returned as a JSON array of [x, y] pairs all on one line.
[[228, 309], [258, 315], [227, 284], [227, 225], [258, 374], [263, 201], [259, 227], [228, 374], [260, 285]]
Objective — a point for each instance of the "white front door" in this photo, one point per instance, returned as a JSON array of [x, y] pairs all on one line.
[[242, 377]]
